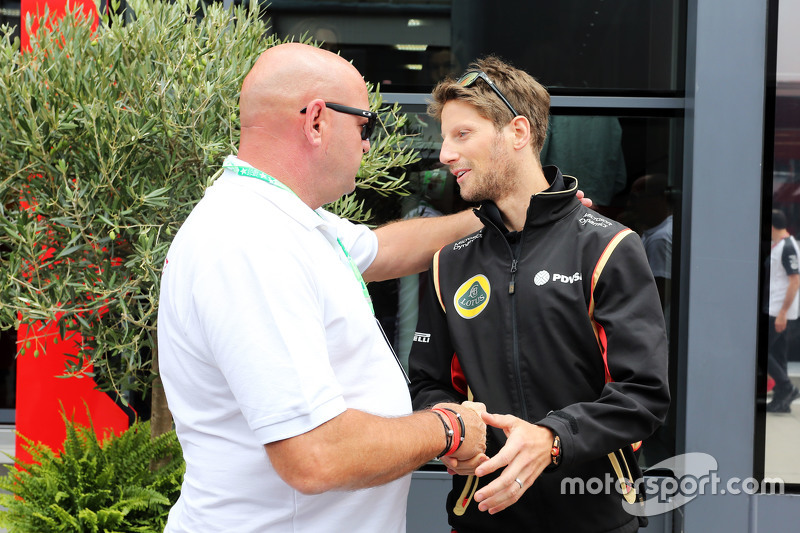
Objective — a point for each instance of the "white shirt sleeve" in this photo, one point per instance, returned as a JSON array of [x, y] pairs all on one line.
[[359, 240]]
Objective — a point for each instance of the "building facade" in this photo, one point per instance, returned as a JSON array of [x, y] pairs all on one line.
[[704, 94]]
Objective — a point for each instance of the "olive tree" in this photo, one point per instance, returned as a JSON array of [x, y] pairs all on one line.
[[108, 138]]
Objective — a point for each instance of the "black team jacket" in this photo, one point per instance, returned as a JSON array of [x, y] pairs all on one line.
[[559, 324]]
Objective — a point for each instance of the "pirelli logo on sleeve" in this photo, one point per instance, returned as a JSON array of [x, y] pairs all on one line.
[[424, 338], [472, 296]]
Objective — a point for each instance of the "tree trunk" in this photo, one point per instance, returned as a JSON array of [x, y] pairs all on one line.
[[160, 417]]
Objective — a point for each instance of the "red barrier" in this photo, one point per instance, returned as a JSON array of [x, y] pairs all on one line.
[[57, 8], [40, 391]]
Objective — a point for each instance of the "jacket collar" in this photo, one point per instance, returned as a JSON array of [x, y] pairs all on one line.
[[546, 207]]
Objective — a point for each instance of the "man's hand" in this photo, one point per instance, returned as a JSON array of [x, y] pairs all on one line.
[[525, 455], [474, 429], [780, 322], [585, 201], [466, 467]]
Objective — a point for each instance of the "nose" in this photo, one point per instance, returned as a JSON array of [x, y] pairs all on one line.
[[446, 155], [365, 146]]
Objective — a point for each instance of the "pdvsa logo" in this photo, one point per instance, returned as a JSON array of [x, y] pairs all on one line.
[[472, 296], [567, 279], [543, 276]]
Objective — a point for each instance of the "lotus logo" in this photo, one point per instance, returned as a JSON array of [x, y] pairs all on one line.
[[475, 297], [472, 296]]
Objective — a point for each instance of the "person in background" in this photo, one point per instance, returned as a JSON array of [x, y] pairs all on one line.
[[548, 313], [784, 282], [652, 207]]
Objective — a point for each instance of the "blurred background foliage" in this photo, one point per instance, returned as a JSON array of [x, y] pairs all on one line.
[[113, 135]]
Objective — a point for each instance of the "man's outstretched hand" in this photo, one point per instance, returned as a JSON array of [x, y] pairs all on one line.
[[525, 455]]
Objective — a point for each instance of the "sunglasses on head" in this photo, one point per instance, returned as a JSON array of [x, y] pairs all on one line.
[[469, 79], [366, 129]]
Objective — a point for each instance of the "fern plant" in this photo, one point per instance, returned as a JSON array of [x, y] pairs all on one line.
[[124, 483]]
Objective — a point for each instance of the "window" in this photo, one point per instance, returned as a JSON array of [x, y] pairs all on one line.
[[576, 46], [779, 349]]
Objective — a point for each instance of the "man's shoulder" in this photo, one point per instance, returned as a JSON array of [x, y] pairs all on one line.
[[591, 221], [588, 229], [464, 244], [599, 236], [784, 248], [790, 245], [790, 255]]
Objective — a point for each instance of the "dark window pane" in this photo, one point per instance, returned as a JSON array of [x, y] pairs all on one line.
[[572, 46], [580, 45], [8, 381], [10, 15]]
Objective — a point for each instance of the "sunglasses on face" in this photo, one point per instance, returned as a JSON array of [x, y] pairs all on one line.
[[469, 79], [366, 129]]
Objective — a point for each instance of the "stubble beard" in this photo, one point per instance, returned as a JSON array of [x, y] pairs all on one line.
[[494, 183]]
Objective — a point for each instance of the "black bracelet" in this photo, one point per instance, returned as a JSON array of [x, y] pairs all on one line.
[[460, 423], [447, 432]]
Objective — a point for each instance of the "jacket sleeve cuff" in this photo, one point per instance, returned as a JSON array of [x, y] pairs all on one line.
[[561, 428]]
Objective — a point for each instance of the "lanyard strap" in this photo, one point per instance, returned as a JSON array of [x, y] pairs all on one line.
[[252, 172]]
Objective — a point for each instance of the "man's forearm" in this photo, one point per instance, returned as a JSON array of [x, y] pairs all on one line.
[[357, 450], [407, 246]]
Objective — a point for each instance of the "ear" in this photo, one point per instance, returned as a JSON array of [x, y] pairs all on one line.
[[521, 128], [314, 122]]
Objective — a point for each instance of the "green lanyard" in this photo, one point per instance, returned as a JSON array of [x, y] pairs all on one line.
[[252, 172]]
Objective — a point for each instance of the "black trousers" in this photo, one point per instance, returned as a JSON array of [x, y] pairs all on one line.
[[777, 361]]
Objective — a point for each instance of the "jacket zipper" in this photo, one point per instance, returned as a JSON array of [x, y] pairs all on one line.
[[514, 330]]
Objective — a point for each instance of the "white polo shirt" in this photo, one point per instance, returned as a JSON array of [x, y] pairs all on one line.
[[783, 263], [264, 334], [657, 242]]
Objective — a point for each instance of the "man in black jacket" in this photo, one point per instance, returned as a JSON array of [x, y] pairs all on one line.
[[548, 313]]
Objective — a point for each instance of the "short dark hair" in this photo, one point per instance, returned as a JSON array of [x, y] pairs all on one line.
[[778, 219]]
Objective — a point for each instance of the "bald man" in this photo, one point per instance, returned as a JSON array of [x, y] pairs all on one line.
[[286, 397]]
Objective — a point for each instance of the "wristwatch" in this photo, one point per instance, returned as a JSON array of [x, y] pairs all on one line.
[[555, 451]]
